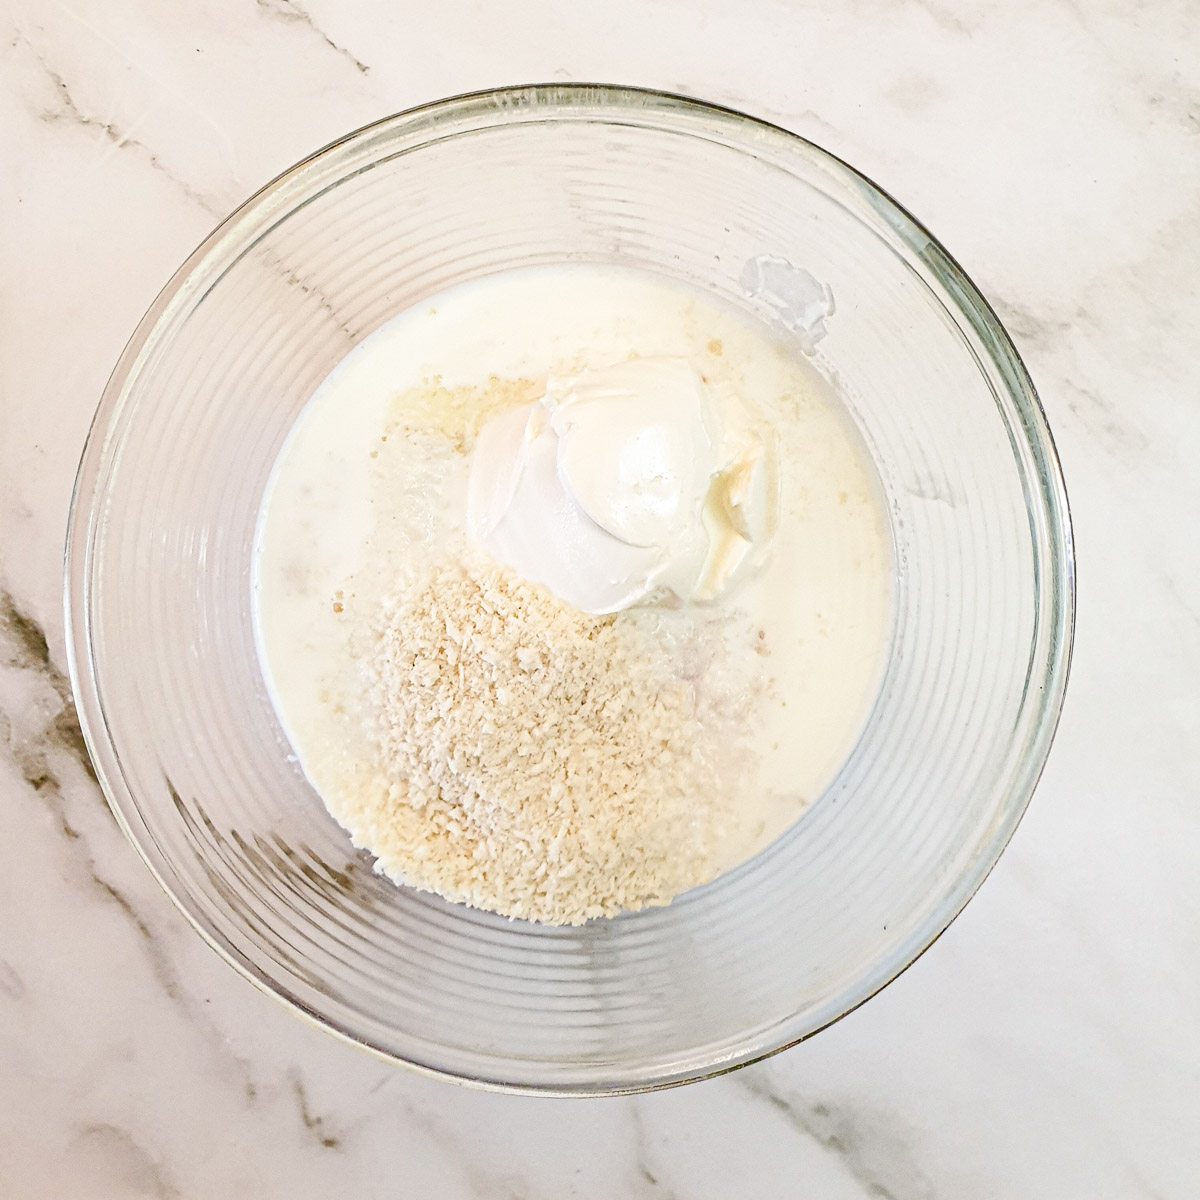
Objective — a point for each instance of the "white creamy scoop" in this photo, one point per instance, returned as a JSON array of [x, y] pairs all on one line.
[[618, 483]]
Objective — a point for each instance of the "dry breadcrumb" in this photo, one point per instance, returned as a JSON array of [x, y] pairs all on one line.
[[540, 762]]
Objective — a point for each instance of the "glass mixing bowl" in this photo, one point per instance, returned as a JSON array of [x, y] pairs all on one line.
[[171, 694]]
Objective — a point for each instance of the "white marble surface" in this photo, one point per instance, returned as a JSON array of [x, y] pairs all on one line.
[[1049, 1044]]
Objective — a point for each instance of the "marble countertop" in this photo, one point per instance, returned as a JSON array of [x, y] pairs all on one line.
[[1049, 1044]]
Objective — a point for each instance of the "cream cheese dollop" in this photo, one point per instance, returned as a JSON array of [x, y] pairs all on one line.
[[622, 484]]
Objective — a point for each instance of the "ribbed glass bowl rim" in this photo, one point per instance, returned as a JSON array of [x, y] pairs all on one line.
[[449, 118]]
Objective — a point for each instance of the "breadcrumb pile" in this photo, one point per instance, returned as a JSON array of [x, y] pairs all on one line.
[[539, 762]]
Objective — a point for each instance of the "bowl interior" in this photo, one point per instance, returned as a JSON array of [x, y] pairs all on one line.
[[171, 693]]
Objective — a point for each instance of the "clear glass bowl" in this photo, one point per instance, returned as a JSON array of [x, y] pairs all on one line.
[[171, 694]]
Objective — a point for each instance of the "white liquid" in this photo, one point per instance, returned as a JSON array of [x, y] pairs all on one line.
[[372, 482]]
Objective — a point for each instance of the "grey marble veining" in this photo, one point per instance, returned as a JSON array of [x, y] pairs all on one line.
[[1047, 1045]]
